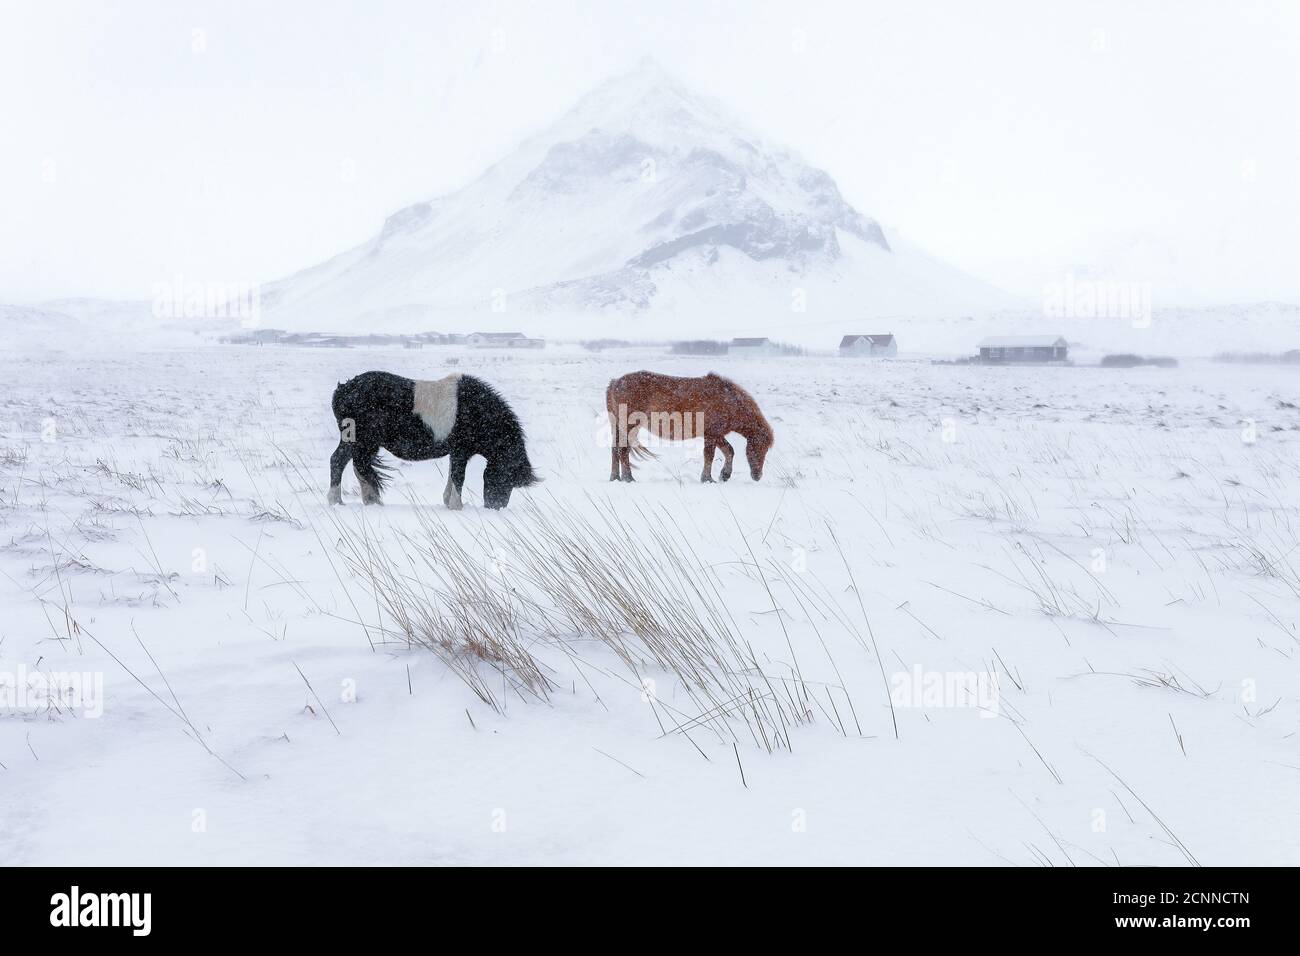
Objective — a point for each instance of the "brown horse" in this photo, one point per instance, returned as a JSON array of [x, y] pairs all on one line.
[[681, 408]]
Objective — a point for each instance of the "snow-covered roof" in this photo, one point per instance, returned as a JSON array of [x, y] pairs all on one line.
[[1023, 342], [884, 338]]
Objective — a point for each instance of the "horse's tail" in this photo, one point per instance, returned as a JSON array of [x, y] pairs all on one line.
[[636, 449], [380, 469], [634, 446], [527, 477], [344, 403]]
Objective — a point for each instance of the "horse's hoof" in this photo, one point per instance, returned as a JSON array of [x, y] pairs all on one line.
[[725, 476], [706, 479], [335, 496], [628, 478]]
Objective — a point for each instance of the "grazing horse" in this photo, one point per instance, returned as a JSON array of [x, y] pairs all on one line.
[[459, 415], [680, 408]]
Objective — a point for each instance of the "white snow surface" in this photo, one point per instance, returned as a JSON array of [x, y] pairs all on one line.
[[1117, 546]]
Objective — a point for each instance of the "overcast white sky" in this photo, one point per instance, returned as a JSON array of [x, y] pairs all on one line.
[[1156, 141]]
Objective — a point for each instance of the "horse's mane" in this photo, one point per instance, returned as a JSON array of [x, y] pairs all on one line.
[[502, 413], [742, 396], [508, 427]]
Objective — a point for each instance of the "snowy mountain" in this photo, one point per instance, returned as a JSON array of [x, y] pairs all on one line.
[[645, 206], [646, 212]]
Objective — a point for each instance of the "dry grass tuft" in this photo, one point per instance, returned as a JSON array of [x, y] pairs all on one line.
[[549, 578]]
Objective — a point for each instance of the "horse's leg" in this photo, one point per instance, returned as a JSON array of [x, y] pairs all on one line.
[[615, 437], [625, 457], [363, 463], [455, 481], [708, 460], [338, 461], [728, 453]]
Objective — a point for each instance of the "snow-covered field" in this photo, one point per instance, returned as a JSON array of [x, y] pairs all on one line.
[[970, 615]]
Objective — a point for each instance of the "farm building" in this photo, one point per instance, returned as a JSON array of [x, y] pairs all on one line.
[[878, 346], [254, 337], [753, 348], [503, 340], [699, 347], [1024, 348]]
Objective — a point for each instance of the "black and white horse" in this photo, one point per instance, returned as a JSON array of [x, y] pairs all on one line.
[[459, 415]]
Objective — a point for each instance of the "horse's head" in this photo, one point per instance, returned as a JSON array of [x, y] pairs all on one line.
[[756, 448], [747, 418], [496, 493], [504, 475]]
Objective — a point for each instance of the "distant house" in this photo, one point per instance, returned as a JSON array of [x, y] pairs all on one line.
[[699, 347], [255, 337], [320, 340], [378, 339], [502, 340], [753, 348], [875, 346], [999, 349]]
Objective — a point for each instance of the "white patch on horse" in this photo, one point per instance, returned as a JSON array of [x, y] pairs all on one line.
[[435, 403]]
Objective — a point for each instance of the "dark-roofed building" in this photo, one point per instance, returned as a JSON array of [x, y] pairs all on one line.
[[503, 340], [879, 345], [699, 347], [1024, 348], [753, 347]]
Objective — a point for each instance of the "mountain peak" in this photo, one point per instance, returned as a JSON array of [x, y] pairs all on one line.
[[645, 70], [652, 102], [642, 186], [647, 75]]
